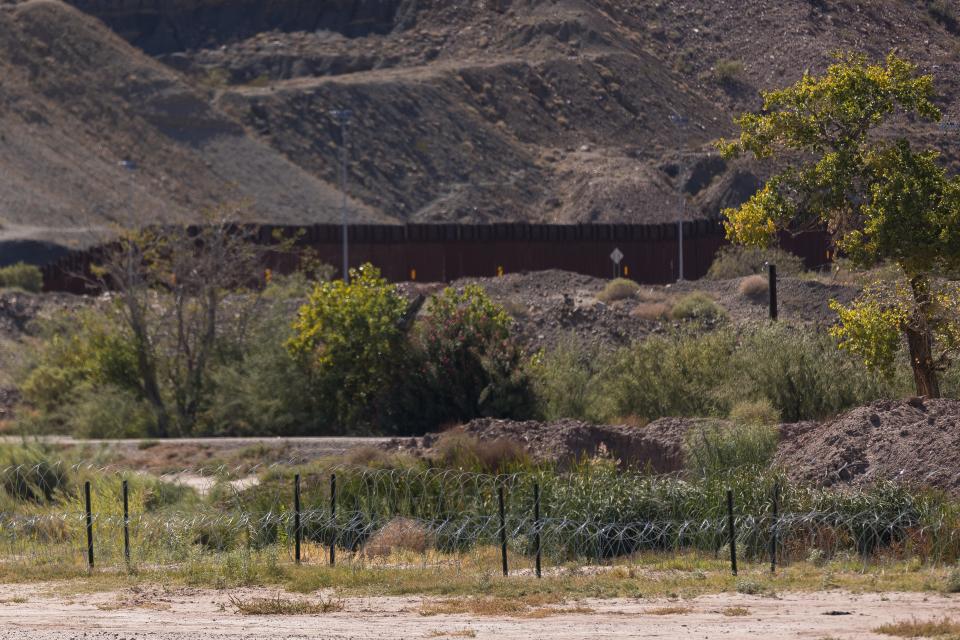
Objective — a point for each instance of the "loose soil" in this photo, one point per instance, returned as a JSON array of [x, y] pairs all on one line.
[[912, 441], [158, 613]]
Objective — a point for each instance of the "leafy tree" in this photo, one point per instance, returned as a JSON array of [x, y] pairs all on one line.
[[176, 292], [881, 199], [350, 339], [467, 362]]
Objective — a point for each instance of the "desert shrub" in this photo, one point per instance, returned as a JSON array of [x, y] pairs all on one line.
[[944, 12], [563, 380], [953, 581], [754, 412], [803, 374], [348, 339], [736, 261], [109, 412], [400, 534], [618, 289], [676, 375], [728, 72], [30, 474], [651, 311], [697, 306], [22, 276], [753, 287], [713, 448], [458, 450], [80, 351], [465, 363]]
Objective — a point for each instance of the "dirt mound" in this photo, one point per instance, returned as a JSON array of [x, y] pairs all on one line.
[[658, 445], [914, 441], [548, 306]]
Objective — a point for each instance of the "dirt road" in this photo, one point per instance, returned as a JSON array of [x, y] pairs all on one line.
[[155, 613]]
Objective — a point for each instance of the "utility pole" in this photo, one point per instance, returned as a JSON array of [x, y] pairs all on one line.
[[342, 116], [681, 123]]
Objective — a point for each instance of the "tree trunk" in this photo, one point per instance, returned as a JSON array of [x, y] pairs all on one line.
[[920, 341]]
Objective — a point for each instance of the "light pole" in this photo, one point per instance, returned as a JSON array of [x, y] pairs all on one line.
[[680, 122], [342, 117]]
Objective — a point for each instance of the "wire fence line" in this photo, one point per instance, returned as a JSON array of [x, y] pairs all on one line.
[[103, 516]]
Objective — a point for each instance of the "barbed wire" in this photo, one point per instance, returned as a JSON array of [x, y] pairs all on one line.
[[385, 517]]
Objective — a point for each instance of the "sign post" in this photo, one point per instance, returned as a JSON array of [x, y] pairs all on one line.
[[617, 258]]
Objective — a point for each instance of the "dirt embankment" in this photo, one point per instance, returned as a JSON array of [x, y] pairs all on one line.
[[914, 441], [910, 441]]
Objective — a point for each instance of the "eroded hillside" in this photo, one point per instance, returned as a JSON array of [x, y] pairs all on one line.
[[541, 110]]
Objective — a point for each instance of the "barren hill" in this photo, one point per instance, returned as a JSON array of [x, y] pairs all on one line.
[[486, 110]]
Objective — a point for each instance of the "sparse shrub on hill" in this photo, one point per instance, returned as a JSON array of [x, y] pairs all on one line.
[[737, 261], [728, 72], [754, 287], [22, 276], [697, 306], [618, 289]]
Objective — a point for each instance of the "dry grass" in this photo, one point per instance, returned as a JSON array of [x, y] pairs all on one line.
[[651, 311], [531, 606], [669, 611], [753, 287], [733, 612], [462, 633], [619, 289], [281, 606], [943, 627], [400, 534]]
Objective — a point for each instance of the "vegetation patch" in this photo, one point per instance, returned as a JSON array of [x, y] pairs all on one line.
[[944, 627], [619, 289], [281, 606]]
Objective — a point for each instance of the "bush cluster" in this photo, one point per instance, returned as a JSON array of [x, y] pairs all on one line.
[[22, 276], [762, 374], [738, 261]]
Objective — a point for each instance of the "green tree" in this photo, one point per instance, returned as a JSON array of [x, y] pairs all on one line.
[[350, 339], [881, 199], [467, 363]]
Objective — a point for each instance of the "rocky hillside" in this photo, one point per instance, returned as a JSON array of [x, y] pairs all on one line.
[[482, 110]]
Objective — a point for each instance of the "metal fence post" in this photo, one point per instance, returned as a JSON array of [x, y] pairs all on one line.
[[126, 523], [333, 519], [773, 528], [86, 494], [772, 287], [503, 530], [536, 525], [733, 533], [297, 532]]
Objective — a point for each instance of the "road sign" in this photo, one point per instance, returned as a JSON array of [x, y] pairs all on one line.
[[616, 256]]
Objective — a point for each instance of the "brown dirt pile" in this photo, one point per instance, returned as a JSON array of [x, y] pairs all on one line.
[[658, 444], [915, 441]]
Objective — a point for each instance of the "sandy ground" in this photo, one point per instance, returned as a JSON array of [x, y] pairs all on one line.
[[155, 613]]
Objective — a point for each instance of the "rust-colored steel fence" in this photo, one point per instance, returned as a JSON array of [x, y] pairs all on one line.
[[445, 252]]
